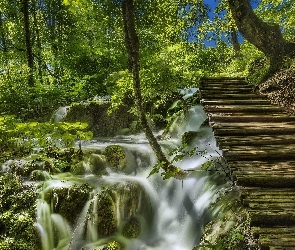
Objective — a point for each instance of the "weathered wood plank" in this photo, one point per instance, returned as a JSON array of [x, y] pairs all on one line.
[[266, 180], [272, 218], [253, 131], [261, 109], [227, 96], [237, 117], [281, 125], [259, 155], [258, 101], [226, 142]]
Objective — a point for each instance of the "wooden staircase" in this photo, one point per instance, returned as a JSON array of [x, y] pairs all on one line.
[[258, 141]]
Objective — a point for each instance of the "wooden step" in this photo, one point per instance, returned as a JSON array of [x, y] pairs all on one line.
[[235, 96], [272, 218], [238, 117], [265, 179], [258, 101], [263, 154], [226, 142], [247, 109], [274, 166], [253, 131]]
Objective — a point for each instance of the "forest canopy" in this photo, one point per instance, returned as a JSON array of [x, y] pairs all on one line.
[[55, 52]]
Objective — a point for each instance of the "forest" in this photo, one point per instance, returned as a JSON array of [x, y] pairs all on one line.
[[132, 55]]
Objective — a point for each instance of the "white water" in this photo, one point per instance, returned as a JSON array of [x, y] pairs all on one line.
[[177, 210]]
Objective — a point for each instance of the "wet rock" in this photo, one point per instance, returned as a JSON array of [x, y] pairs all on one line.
[[69, 201], [25, 167], [106, 219], [98, 164], [132, 228], [95, 113], [116, 157], [17, 214]]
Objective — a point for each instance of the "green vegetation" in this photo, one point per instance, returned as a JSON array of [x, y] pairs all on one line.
[[77, 52]]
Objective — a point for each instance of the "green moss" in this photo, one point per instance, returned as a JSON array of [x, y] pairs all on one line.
[[106, 214], [114, 245], [69, 201], [17, 214], [97, 164], [95, 113], [78, 168], [132, 228], [116, 157]]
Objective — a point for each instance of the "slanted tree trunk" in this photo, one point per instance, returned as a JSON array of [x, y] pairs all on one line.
[[267, 38], [235, 41], [132, 47], [29, 50]]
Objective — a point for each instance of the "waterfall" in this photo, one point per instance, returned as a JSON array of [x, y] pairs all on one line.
[[171, 213]]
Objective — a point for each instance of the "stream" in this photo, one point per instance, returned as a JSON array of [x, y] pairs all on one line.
[[172, 213]]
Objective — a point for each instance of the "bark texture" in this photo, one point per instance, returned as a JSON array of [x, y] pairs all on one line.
[[29, 50], [132, 47], [267, 38]]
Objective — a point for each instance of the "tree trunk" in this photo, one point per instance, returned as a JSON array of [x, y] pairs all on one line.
[[235, 41], [132, 47], [2, 34], [267, 38], [29, 49]]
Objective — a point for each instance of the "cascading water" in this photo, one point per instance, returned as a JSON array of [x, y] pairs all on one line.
[[172, 213]]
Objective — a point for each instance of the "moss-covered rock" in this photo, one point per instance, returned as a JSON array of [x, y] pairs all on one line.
[[95, 113], [130, 198], [114, 245], [78, 168], [98, 164], [132, 228], [17, 214], [69, 201], [106, 213], [25, 167], [116, 157]]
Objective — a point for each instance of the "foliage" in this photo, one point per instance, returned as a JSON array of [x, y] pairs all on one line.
[[17, 214]]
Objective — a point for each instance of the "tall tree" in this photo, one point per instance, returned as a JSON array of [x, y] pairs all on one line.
[[28, 42], [266, 37], [132, 47]]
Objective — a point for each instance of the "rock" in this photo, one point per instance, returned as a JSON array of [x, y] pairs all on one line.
[[95, 113], [69, 201], [106, 219], [132, 228], [98, 164], [116, 157]]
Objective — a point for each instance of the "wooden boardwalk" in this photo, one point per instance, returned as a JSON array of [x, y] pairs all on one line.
[[258, 141]]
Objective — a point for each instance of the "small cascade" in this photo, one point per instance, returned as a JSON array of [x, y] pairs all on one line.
[[60, 114], [127, 207]]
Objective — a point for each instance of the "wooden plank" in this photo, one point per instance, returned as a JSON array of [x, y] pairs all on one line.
[[227, 96], [226, 142], [270, 155], [261, 109], [236, 117], [219, 86], [272, 218], [253, 131], [258, 101], [266, 180], [266, 125]]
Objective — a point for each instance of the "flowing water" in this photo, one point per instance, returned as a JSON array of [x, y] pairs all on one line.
[[172, 215]]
